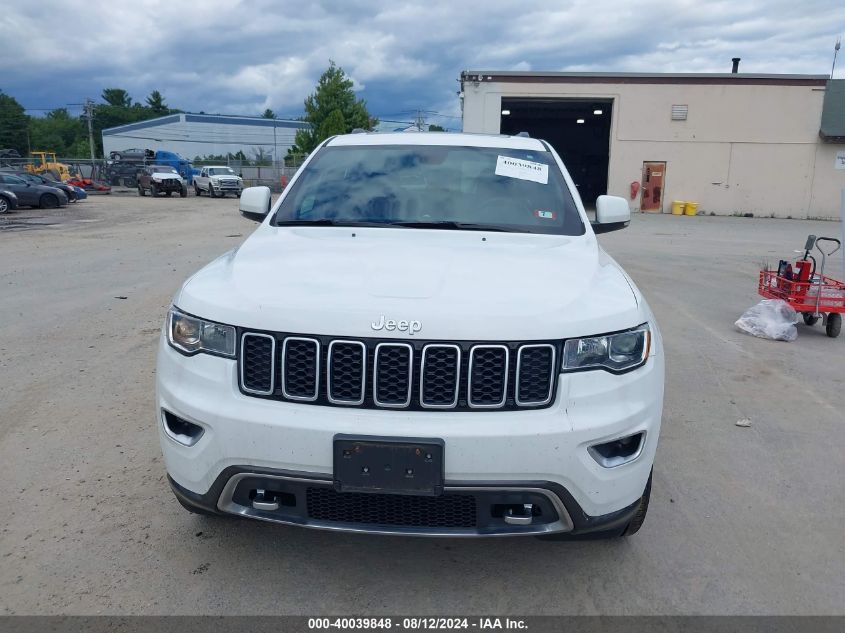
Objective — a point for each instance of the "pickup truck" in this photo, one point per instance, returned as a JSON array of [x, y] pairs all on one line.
[[161, 179], [218, 181], [423, 336]]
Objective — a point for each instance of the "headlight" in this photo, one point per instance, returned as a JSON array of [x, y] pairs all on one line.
[[615, 352], [190, 335]]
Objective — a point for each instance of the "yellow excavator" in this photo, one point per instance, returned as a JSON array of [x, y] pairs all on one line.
[[47, 165]]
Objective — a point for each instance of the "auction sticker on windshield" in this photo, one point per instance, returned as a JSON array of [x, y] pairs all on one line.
[[522, 169]]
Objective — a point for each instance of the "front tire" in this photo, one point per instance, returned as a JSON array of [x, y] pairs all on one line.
[[809, 318], [184, 192], [153, 191], [211, 192], [642, 509], [48, 201], [834, 324], [141, 191], [4, 205], [197, 190]]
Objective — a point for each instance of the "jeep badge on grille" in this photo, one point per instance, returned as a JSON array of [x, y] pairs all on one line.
[[411, 327]]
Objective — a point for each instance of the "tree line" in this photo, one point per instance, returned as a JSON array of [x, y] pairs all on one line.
[[331, 109], [67, 135]]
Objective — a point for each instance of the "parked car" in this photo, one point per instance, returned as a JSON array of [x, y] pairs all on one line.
[[8, 200], [161, 179], [38, 179], [81, 194], [32, 195], [218, 181], [423, 336]]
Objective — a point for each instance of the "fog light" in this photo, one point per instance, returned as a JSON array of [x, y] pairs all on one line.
[[182, 431], [619, 451]]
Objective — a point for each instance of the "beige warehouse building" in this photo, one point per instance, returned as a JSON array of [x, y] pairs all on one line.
[[735, 143]]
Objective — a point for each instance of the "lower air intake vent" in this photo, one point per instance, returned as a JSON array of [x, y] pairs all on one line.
[[445, 511]]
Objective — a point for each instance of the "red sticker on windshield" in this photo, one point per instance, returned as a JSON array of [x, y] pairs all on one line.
[[545, 215]]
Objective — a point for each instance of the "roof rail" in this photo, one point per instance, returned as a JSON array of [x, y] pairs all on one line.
[[523, 134]]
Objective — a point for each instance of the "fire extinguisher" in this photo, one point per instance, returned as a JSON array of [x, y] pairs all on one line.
[[635, 188]]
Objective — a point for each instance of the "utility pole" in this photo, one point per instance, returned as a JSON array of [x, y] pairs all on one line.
[[88, 112], [419, 121], [835, 51]]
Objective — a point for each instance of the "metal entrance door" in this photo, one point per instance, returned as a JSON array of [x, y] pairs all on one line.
[[653, 177]]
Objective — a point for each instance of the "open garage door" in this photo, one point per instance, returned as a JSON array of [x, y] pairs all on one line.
[[579, 129]]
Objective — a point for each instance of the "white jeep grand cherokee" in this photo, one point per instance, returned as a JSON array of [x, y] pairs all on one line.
[[422, 337]]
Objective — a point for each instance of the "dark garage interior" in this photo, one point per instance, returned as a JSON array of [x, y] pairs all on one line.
[[579, 129]]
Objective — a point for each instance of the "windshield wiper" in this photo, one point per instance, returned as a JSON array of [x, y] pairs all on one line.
[[460, 226], [327, 222], [436, 224]]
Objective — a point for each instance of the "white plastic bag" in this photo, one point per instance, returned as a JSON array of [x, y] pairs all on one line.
[[772, 319]]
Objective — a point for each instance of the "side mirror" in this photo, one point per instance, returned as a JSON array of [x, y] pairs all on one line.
[[612, 214], [255, 203]]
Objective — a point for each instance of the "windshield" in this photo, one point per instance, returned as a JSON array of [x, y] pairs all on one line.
[[220, 171], [421, 186], [164, 170]]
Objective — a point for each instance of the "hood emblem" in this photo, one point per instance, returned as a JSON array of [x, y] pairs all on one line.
[[411, 327]]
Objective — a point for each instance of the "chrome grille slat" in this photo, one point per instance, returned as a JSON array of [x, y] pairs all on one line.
[[386, 389], [258, 363], [440, 385], [408, 374], [348, 375], [296, 383], [488, 388], [535, 365]]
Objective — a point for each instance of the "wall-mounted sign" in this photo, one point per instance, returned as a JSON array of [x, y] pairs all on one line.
[[839, 161]]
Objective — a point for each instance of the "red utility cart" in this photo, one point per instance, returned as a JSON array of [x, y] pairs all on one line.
[[807, 291]]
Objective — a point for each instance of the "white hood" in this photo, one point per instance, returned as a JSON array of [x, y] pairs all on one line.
[[460, 285]]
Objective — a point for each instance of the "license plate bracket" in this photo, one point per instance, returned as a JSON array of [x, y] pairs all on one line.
[[388, 465]]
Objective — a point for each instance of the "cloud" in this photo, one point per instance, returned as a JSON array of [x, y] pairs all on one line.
[[240, 57]]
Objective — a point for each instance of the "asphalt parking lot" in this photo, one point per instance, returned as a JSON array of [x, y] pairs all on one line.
[[742, 520]]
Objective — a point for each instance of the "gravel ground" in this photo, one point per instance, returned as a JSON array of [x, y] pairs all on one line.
[[742, 520]]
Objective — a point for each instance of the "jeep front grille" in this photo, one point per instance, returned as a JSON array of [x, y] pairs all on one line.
[[392, 374]]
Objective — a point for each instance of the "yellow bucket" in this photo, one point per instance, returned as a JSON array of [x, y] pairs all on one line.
[[691, 208], [678, 207]]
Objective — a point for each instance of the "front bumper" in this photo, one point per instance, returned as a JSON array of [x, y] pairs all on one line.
[[555, 508], [168, 185], [542, 452]]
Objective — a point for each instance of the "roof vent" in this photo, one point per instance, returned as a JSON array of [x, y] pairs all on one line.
[[679, 112], [735, 68], [523, 134]]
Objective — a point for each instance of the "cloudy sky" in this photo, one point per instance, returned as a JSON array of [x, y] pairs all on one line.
[[239, 57]]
